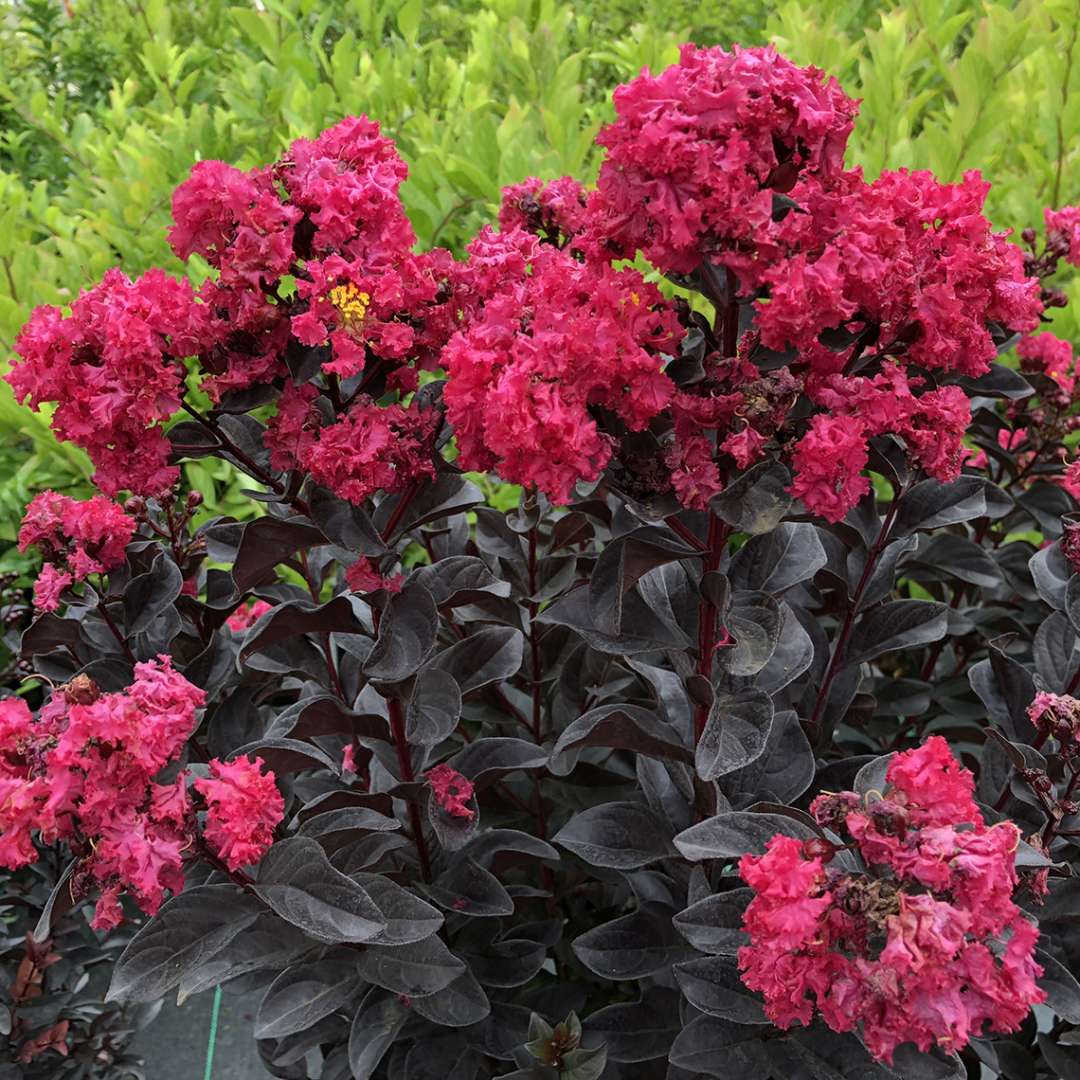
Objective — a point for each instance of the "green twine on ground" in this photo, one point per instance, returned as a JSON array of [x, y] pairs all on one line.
[[212, 1040]]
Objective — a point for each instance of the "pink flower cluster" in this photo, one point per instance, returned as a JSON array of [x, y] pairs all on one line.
[[1057, 716], [113, 369], [76, 538], [697, 152], [552, 342], [370, 448], [85, 771], [829, 460], [451, 791], [246, 616], [243, 807], [1063, 229], [556, 211], [1050, 356], [926, 947], [911, 259]]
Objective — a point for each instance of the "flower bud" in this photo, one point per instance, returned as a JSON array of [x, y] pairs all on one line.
[[817, 847], [194, 499]]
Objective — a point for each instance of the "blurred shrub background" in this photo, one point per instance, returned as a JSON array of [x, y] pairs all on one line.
[[104, 105]]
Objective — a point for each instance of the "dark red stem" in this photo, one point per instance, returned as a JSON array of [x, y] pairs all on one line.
[[718, 534], [849, 620]]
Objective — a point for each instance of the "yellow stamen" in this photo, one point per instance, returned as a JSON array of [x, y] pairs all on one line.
[[352, 304]]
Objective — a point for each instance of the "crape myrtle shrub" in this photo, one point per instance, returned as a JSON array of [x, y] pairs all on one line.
[[745, 746]]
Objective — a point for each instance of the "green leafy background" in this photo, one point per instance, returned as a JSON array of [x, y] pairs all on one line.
[[104, 105]]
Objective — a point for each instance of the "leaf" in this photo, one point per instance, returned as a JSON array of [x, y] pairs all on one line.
[[434, 708], [619, 835], [298, 882], [640, 1030], [1050, 571], [999, 382], [303, 994], [300, 617], [486, 760], [491, 655], [286, 755], [931, 504], [268, 943], [714, 924], [753, 621], [777, 560], [459, 579], [736, 733], [406, 635], [469, 889], [735, 833], [632, 946], [1062, 989], [623, 727], [408, 918], [792, 656], [188, 929], [712, 984], [961, 558], [460, 1004], [622, 563], [422, 967], [720, 1048], [376, 1024], [445, 496], [149, 594], [345, 524], [267, 541], [899, 624], [1054, 650], [757, 500], [1006, 688], [59, 903]]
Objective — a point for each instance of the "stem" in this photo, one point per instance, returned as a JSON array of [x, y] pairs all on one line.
[[718, 534], [253, 470], [537, 730], [397, 726], [399, 511], [833, 669], [121, 640], [683, 533], [534, 645], [731, 317]]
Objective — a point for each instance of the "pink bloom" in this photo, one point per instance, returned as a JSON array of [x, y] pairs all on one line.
[[236, 221], [49, 585], [346, 181], [372, 448], [364, 577], [1063, 228], [554, 211], [244, 807], [247, 616], [83, 772], [828, 461], [1051, 355], [936, 787], [451, 791], [957, 954], [348, 759], [543, 350], [697, 151], [112, 368], [77, 538]]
